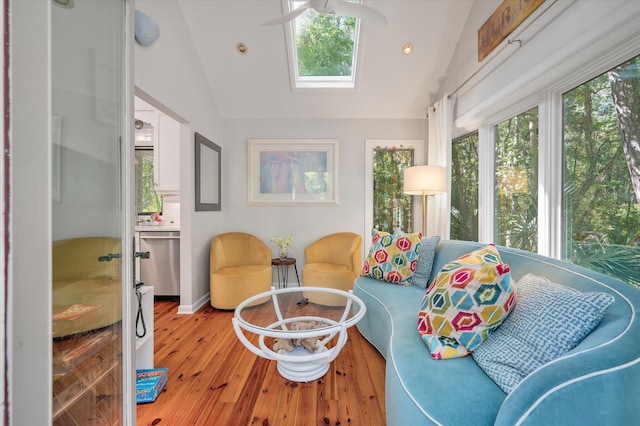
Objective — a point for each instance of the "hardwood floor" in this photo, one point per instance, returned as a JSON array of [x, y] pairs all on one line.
[[215, 380]]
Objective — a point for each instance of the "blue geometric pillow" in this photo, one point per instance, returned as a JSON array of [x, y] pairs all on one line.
[[426, 255], [548, 321]]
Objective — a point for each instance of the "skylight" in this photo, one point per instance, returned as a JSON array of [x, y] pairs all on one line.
[[322, 49]]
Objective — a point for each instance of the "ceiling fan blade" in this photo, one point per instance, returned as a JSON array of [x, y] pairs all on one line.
[[289, 16], [357, 10]]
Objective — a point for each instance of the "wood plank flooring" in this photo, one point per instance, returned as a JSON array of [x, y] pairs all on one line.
[[215, 380]]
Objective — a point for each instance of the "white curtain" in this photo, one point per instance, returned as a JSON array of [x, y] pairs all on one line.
[[439, 154]]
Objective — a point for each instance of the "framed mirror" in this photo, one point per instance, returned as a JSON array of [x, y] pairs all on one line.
[[208, 175]]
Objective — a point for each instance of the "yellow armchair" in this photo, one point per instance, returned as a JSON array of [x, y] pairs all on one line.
[[240, 267], [80, 279], [333, 261]]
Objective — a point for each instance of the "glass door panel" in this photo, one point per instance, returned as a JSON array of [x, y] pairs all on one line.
[[87, 60]]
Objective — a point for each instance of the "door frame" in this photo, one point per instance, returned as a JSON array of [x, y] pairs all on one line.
[[27, 216]]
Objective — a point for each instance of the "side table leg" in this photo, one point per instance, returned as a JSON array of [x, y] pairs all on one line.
[[285, 276], [279, 279], [297, 277]]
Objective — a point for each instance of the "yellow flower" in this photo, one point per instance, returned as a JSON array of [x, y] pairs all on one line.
[[283, 242]]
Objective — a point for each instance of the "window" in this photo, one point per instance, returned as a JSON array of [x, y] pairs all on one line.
[[392, 209], [464, 188], [147, 201], [602, 172], [516, 181], [323, 49]]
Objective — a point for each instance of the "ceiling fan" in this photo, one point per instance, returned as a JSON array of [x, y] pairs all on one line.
[[334, 7]]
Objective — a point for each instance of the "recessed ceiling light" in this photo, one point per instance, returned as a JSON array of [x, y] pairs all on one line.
[[242, 48], [407, 49]]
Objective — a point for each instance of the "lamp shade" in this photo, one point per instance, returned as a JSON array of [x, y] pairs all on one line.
[[425, 180]]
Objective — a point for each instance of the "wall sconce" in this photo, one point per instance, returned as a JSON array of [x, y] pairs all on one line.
[[425, 180]]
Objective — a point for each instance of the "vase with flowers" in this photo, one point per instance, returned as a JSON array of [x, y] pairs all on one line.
[[283, 245]]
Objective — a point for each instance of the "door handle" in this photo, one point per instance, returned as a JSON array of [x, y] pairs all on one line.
[[160, 238], [109, 257], [142, 254]]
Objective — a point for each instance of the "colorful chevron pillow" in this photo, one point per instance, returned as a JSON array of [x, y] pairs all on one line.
[[392, 257], [469, 298]]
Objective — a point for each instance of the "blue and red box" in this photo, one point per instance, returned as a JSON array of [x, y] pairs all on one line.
[[149, 383]]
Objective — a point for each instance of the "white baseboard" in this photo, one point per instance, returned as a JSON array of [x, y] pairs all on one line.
[[191, 309]]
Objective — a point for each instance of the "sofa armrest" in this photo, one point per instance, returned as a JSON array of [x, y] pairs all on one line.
[[595, 383], [593, 387]]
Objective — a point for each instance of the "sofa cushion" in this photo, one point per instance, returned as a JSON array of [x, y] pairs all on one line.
[[548, 321], [392, 257], [426, 256], [469, 298]]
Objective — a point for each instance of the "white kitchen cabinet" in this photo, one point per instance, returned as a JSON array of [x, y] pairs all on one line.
[[166, 150]]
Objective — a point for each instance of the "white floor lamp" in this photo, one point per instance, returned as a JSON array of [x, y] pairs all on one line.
[[424, 180]]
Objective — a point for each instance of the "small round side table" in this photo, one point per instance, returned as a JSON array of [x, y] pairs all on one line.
[[282, 267]]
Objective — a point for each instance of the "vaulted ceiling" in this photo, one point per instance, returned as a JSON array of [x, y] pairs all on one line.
[[390, 85]]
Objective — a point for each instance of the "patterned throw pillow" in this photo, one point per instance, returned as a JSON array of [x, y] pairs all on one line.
[[548, 321], [469, 298], [426, 256], [392, 257]]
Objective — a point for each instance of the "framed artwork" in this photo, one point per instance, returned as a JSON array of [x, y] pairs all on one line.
[[293, 171], [208, 159], [506, 18]]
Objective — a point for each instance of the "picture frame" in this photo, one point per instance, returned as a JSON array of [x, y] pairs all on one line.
[[293, 171], [208, 168]]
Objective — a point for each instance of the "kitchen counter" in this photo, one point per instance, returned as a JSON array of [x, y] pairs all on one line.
[[160, 227]]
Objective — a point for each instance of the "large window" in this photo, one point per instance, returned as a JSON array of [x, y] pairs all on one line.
[[464, 188], [602, 172], [516, 181], [392, 209]]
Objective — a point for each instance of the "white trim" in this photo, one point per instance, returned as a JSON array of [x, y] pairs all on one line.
[[127, 220], [486, 183], [192, 309]]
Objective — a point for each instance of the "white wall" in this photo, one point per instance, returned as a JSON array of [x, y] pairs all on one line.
[[560, 38], [306, 223], [170, 72]]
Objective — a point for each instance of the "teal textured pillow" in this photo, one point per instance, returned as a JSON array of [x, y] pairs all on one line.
[[426, 256], [548, 321]]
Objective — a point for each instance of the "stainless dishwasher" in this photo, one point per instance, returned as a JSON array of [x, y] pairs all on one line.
[[162, 269]]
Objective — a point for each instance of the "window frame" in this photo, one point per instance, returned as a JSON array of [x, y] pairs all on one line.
[[302, 83]]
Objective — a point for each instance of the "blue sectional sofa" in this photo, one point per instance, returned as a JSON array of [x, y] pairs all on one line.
[[595, 383]]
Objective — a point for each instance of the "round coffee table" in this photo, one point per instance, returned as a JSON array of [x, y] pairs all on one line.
[[307, 353]]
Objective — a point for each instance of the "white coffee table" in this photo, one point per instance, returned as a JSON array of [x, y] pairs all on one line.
[[274, 317]]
